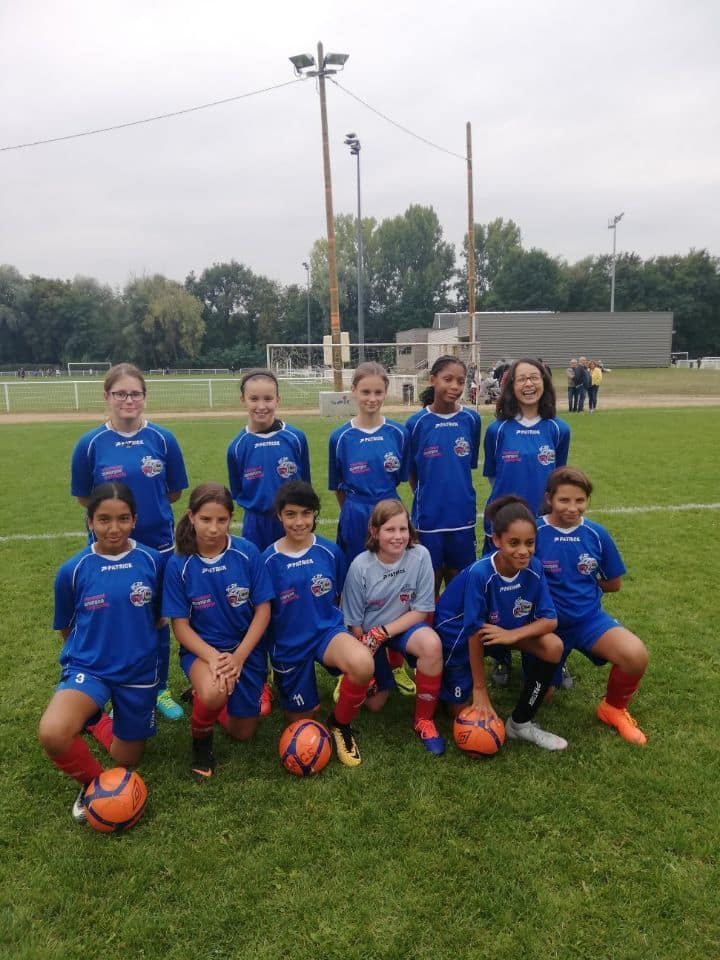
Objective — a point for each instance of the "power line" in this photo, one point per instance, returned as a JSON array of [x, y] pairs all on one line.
[[160, 116], [394, 123]]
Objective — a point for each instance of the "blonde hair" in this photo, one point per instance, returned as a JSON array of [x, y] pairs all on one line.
[[123, 370], [370, 369]]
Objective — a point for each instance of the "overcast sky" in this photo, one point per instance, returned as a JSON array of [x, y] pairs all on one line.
[[579, 111]]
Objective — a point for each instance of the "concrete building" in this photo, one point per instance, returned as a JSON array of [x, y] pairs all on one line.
[[634, 339]]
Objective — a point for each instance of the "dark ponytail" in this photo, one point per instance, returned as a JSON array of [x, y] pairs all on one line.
[[506, 510], [113, 490], [428, 394]]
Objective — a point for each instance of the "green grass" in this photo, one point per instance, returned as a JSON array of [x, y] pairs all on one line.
[[605, 851]]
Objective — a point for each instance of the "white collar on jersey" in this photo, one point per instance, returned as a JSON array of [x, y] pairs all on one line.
[[367, 429], [505, 579], [114, 556], [121, 433], [528, 421]]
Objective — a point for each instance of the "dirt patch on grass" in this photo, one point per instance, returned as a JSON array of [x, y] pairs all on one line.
[[616, 402]]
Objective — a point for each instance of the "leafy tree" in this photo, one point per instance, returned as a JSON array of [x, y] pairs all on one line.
[[494, 244], [529, 280], [13, 319], [412, 268], [163, 322]]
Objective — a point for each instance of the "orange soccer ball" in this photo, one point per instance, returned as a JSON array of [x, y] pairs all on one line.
[[305, 747], [478, 735], [115, 800]]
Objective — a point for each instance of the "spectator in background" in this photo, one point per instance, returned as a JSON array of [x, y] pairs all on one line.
[[595, 381], [570, 374], [582, 382]]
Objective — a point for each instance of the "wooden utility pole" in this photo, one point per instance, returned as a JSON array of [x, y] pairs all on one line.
[[470, 244]]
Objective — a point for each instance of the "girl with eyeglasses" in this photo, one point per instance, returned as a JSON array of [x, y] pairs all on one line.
[[523, 446], [147, 458]]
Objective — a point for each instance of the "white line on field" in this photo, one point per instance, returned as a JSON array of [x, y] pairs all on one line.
[[327, 521]]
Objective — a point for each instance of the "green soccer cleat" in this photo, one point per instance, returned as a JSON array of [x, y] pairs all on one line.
[[404, 683], [167, 706]]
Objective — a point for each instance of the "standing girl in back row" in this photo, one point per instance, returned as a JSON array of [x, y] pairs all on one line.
[[260, 459], [367, 459], [444, 449]]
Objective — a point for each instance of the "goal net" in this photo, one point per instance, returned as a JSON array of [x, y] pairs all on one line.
[[305, 370]]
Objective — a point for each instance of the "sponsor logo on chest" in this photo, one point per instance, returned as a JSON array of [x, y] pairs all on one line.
[[151, 467], [237, 596], [140, 594]]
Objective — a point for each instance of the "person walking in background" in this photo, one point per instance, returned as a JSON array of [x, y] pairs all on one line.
[[570, 374], [595, 381]]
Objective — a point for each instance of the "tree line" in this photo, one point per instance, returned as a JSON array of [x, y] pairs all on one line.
[[226, 315]]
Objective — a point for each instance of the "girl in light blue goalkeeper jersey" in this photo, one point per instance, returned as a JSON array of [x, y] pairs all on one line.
[[388, 593]]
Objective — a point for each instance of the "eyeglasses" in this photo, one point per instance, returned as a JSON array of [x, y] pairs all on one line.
[[133, 395], [528, 378]]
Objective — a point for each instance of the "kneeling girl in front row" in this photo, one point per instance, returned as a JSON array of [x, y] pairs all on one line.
[[217, 596], [107, 607], [501, 599]]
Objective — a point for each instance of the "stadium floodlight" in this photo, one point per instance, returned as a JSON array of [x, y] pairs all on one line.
[[612, 225], [301, 64], [352, 141], [336, 59], [301, 61]]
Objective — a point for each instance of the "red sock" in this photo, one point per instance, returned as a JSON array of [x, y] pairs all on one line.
[[621, 686], [395, 658], [102, 730], [350, 700], [430, 617], [426, 697], [203, 719], [77, 762], [223, 718]]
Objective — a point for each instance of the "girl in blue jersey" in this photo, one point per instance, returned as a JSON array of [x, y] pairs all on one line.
[[581, 563], [367, 460], [260, 459], [107, 607], [501, 599], [522, 448], [444, 449], [146, 457], [217, 596], [307, 573], [388, 593]]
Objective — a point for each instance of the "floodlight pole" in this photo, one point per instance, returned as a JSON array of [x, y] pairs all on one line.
[[471, 244], [352, 141], [612, 225], [309, 348], [301, 63], [332, 258]]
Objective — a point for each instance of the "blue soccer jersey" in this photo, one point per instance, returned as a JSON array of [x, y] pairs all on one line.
[[479, 594], [218, 596], [444, 449], [368, 464], [520, 455], [259, 463], [110, 605], [149, 461], [306, 586], [574, 560]]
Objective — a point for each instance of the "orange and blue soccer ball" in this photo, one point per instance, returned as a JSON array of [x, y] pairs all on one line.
[[115, 800], [305, 748], [478, 735]]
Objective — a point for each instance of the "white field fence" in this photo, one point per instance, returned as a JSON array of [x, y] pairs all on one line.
[[301, 382]]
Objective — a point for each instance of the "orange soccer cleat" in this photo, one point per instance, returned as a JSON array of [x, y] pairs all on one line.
[[625, 725]]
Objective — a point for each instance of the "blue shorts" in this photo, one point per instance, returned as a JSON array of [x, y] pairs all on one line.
[[454, 549], [133, 706], [262, 529], [296, 682], [244, 701], [352, 528], [383, 674], [583, 637], [456, 684]]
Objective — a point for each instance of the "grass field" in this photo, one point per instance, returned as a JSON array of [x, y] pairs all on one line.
[[605, 851], [220, 393]]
